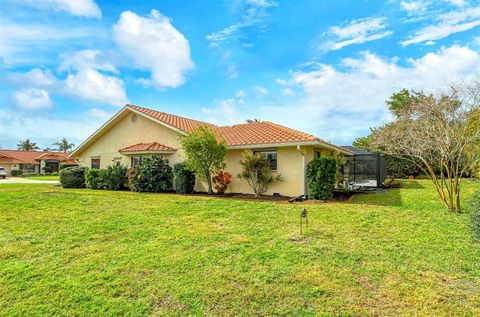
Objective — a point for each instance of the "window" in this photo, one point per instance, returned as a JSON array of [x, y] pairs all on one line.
[[95, 163], [271, 156], [136, 160], [317, 153], [117, 161]]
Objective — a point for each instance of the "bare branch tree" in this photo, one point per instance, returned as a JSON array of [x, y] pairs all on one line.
[[437, 134]]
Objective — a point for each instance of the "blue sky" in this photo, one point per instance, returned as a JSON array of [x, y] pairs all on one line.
[[325, 67]]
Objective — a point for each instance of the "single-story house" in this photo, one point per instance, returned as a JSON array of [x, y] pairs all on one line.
[[136, 132], [34, 162]]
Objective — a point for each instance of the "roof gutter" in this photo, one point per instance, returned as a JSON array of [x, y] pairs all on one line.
[[266, 145]]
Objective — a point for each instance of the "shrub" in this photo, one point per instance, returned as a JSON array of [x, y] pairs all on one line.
[[92, 179], [112, 178], [257, 172], [62, 166], [115, 177], [473, 206], [183, 179], [204, 154], [221, 180], [321, 177], [17, 173], [150, 175], [73, 177], [47, 169]]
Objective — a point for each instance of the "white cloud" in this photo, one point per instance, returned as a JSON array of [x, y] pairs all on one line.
[[288, 92], [152, 43], [224, 113], [99, 114], [458, 3], [30, 42], [413, 6], [355, 32], [226, 106], [84, 8], [31, 99], [261, 91], [341, 104], [227, 110], [35, 77], [84, 59], [232, 71], [90, 85], [44, 130], [254, 16], [240, 95], [445, 25]]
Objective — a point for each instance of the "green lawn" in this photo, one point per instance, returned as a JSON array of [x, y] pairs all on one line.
[[98, 253], [43, 177]]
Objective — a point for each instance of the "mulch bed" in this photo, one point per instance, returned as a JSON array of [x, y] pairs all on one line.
[[338, 196]]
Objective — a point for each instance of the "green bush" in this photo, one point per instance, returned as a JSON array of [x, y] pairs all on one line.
[[115, 177], [321, 177], [151, 175], [73, 177], [16, 173], [473, 206], [112, 178], [92, 179], [63, 166], [183, 179]]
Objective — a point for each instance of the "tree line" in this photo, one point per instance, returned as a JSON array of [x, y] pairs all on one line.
[[61, 146], [435, 135]]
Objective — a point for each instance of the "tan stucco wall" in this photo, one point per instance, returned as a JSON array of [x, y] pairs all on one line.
[[289, 166], [125, 133]]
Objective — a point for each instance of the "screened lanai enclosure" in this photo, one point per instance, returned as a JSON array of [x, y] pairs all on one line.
[[364, 169]]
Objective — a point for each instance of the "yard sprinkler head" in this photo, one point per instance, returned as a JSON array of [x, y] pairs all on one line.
[[303, 215]]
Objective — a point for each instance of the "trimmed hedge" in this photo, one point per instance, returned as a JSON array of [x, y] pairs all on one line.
[[473, 206], [183, 179], [16, 173], [112, 178], [321, 178], [73, 177], [151, 175], [63, 166]]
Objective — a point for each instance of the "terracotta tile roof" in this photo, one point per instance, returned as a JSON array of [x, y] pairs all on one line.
[[69, 162], [30, 157], [263, 132], [181, 123], [255, 133], [142, 147]]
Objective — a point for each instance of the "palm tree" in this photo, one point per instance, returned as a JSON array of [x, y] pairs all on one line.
[[48, 149], [64, 145], [27, 145]]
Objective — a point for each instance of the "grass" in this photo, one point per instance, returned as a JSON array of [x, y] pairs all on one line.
[[43, 177], [99, 253]]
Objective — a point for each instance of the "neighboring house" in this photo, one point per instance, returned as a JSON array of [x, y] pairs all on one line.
[[136, 132], [34, 162]]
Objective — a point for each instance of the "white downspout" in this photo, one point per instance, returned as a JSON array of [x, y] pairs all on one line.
[[304, 178]]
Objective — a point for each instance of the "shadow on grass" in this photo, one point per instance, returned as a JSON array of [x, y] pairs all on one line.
[[391, 198]]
